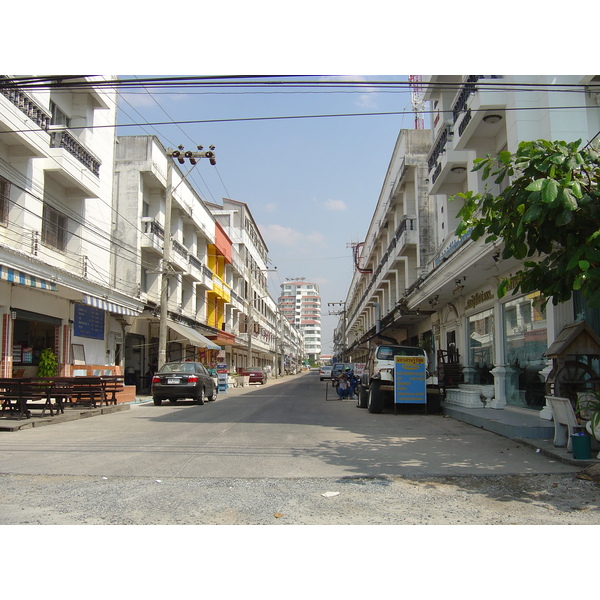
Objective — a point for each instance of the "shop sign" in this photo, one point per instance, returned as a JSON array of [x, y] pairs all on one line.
[[88, 322], [479, 298], [410, 380]]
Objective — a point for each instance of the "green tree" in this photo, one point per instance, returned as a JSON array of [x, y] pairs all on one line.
[[548, 216]]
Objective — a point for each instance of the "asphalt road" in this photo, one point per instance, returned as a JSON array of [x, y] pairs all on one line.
[[281, 454]]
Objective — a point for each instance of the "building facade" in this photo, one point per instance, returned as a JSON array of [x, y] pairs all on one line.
[[300, 305], [57, 287], [218, 306], [418, 282], [84, 267]]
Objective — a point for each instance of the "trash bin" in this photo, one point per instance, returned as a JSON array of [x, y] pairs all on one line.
[[582, 446]]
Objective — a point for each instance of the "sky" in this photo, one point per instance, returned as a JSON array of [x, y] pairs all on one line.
[[311, 184]]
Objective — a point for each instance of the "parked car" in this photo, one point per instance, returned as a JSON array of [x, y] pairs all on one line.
[[177, 380], [325, 372], [256, 374], [338, 368]]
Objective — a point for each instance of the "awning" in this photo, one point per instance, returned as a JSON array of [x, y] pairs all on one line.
[[195, 338], [16, 276], [109, 306]]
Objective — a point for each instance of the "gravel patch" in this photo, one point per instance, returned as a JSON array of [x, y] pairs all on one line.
[[565, 499]]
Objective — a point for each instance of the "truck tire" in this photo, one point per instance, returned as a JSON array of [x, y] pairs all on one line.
[[363, 397], [157, 401], [375, 402]]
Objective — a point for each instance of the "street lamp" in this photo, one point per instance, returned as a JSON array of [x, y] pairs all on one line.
[[166, 255]]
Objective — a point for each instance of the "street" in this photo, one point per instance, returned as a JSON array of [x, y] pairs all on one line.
[[282, 454]]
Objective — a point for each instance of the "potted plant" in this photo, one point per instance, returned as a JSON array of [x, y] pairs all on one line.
[[48, 364]]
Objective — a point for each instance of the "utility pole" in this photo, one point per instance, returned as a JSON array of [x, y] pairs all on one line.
[[181, 155]]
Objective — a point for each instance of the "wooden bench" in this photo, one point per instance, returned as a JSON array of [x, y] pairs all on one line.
[[113, 384], [565, 421], [87, 391], [26, 394]]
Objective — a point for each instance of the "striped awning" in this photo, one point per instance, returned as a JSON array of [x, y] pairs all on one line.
[[21, 278], [112, 307]]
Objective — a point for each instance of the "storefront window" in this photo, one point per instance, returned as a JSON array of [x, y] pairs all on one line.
[[32, 334], [481, 346], [525, 342]]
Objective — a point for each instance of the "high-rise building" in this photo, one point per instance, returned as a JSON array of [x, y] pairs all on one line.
[[300, 304]]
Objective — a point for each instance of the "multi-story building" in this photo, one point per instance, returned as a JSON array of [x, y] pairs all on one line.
[[418, 282], [300, 304], [253, 313], [57, 289], [218, 306]]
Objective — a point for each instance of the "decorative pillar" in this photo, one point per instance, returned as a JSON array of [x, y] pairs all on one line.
[[6, 347]]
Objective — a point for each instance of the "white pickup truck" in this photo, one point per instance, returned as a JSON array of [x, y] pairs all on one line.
[[377, 381]]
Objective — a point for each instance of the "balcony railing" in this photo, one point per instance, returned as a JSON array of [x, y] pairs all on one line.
[[63, 139], [180, 249], [195, 262], [154, 228], [30, 108], [465, 92], [439, 146]]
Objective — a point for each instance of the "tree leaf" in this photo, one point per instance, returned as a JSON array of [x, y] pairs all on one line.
[[535, 186], [549, 190]]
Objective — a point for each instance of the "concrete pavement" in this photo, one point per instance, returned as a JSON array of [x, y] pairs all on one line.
[[433, 425]]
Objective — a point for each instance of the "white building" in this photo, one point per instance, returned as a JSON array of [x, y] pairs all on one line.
[[300, 304], [57, 289], [421, 284]]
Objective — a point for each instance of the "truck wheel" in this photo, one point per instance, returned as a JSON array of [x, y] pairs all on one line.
[[363, 397], [157, 401], [375, 403]]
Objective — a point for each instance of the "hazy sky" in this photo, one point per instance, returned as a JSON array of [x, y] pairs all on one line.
[[311, 183]]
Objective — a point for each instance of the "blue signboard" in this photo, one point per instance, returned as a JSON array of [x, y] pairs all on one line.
[[409, 380], [88, 321]]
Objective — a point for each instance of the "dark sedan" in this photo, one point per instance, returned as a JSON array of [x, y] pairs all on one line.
[[256, 374], [176, 380]]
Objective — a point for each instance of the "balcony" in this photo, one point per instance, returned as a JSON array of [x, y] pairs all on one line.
[[447, 166], [220, 288], [63, 139], [472, 110], [179, 256], [18, 104], [153, 236]]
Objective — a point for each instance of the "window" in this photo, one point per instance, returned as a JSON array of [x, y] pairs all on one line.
[[524, 346], [58, 116], [481, 346], [54, 228], [4, 198]]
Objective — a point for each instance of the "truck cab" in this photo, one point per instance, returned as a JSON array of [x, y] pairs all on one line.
[[377, 382]]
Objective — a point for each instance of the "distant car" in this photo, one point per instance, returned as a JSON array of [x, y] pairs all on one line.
[[325, 372], [177, 380], [338, 368], [256, 374]]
